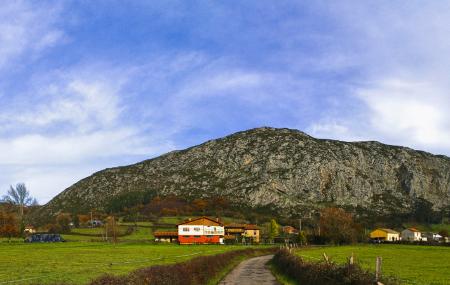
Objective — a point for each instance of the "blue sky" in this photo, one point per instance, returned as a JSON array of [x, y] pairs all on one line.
[[86, 85]]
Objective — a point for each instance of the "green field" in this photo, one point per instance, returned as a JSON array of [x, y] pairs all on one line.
[[79, 262], [411, 264]]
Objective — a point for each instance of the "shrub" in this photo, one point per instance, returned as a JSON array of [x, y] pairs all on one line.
[[193, 272], [323, 273]]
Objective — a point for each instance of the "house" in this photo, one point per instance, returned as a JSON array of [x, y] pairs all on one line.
[[289, 230], [242, 233], [382, 234], [29, 230], [252, 232], [166, 236], [201, 231], [431, 236], [411, 234]]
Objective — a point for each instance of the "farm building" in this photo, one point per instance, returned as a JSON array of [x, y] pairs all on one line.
[[411, 234], [166, 236], [432, 236], [384, 235], [201, 231], [242, 233]]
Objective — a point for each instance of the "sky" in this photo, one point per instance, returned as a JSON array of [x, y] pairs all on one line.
[[86, 85]]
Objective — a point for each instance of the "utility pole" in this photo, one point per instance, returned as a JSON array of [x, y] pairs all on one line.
[[92, 222]]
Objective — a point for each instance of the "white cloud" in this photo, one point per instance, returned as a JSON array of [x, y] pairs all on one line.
[[72, 122], [401, 93]]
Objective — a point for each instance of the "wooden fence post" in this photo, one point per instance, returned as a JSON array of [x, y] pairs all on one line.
[[351, 259], [378, 268]]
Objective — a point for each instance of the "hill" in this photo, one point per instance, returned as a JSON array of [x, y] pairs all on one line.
[[281, 170]]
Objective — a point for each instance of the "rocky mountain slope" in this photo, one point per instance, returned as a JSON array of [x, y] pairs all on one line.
[[281, 168]]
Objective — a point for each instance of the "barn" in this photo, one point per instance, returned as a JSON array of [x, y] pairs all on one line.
[[202, 230], [384, 235]]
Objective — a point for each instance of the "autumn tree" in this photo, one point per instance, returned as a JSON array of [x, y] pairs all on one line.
[[338, 226], [200, 205], [63, 220], [8, 225], [83, 220]]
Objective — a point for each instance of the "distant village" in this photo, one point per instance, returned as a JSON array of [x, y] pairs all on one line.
[[204, 230]]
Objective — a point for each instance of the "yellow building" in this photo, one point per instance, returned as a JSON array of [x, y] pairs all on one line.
[[252, 231], [385, 235], [238, 231]]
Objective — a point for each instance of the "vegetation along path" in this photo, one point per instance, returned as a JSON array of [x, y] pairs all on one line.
[[251, 271]]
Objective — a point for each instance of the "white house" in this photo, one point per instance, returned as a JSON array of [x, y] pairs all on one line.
[[411, 234], [201, 231]]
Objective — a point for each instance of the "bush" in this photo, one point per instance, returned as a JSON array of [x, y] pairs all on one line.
[[307, 273], [193, 272]]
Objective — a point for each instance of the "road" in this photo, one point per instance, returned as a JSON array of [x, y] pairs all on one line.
[[252, 271]]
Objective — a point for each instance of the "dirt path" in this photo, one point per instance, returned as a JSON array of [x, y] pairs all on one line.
[[252, 271]]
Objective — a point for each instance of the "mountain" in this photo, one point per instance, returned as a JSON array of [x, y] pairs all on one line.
[[285, 170]]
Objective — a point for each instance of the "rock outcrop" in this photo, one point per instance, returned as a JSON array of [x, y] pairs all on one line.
[[282, 168]]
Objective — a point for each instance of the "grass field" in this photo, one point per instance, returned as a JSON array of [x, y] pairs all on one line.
[[78, 262], [411, 264]]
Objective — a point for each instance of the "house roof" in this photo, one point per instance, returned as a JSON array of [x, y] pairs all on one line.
[[388, 231], [252, 227], [242, 226], [413, 229], [203, 221]]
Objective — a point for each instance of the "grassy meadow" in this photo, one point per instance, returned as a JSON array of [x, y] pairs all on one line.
[[79, 262], [411, 264]]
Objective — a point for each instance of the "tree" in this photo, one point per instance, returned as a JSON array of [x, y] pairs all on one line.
[[302, 238], [63, 220], [274, 229], [200, 205], [338, 226], [20, 197], [8, 225]]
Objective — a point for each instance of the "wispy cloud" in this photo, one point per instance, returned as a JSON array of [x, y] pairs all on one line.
[[402, 96], [27, 29]]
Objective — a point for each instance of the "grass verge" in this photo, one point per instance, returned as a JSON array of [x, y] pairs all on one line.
[[200, 270]]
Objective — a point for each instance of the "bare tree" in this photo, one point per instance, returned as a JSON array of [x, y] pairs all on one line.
[[20, 197]]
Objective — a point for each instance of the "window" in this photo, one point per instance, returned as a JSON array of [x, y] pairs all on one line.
[[197, 229], [185, 229], [185, 236], [196, 236]]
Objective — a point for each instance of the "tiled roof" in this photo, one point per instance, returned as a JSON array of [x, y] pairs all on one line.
[[201, 221], [389, 231]]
